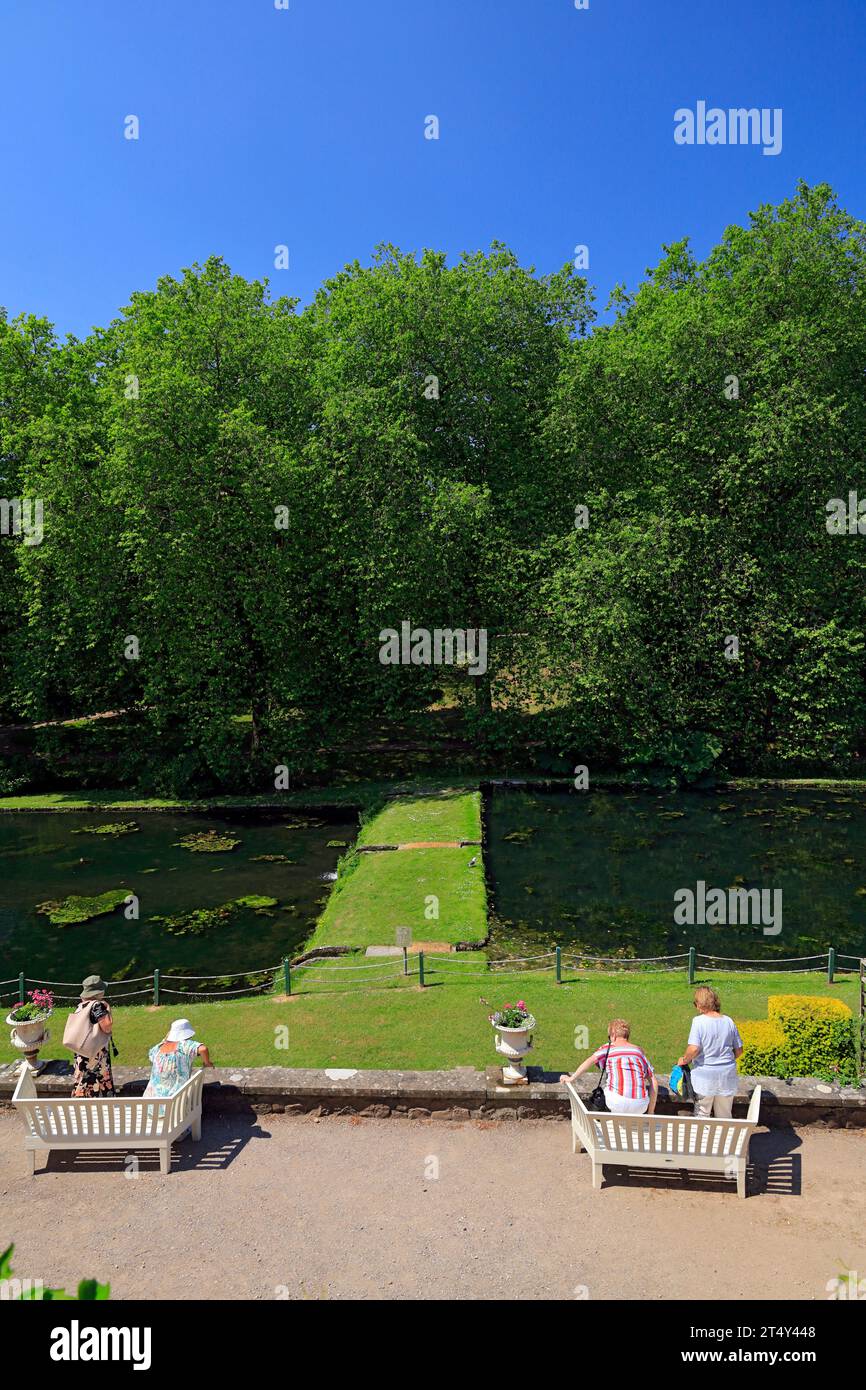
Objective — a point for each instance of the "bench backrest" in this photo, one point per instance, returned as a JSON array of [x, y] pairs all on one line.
[[664, 1134], [104, 1117]]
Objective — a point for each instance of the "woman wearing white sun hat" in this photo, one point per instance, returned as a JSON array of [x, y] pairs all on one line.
[[171, 1061]]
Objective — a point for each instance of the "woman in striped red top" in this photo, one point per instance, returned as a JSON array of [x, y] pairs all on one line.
[[629, 1082]]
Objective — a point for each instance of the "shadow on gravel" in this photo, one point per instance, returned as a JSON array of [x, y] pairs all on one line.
[[774, 1167], [223, 1138]]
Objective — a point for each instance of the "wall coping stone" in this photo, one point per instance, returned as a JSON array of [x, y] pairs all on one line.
[[464, 1089]]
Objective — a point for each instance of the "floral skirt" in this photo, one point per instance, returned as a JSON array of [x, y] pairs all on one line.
[[91, 1076]]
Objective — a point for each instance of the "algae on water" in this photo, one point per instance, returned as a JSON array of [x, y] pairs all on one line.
[[203, 919], [76, 908], [114, 828], [208, 842]]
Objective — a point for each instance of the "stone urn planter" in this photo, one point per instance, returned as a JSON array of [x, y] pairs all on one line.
[[513, 1042], [29, 1037], [29, 1034]]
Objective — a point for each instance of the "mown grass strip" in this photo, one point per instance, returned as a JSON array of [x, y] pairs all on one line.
[[450, 815], [433, 892], [446, 1025]]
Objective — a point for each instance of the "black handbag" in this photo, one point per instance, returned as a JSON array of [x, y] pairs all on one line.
[[688, 1088], [595, 1100]]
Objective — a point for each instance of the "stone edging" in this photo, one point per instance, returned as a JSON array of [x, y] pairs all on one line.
[[461, 1094]]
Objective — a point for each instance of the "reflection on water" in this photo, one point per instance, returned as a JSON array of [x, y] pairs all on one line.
[[285, 857], [597, 871]]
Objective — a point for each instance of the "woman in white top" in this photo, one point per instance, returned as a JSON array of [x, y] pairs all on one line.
[[714, 1046]]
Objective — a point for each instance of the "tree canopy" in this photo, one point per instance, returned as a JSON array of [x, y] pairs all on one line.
[[239, 496]]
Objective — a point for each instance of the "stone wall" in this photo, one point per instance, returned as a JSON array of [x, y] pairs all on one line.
[[461, 1094]]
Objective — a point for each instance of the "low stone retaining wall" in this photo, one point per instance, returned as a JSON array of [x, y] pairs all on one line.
[[461, 1094]]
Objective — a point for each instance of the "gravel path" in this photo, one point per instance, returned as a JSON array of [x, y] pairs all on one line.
[[281, 1207]]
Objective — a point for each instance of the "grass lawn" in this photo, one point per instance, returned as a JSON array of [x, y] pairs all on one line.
[[379, 892], [367, 795], [390, 890], [450, 815], [132, 801], [446, 1025]]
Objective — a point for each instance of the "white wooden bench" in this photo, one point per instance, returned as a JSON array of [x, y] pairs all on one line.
[[107, 1122], [664, 1141]]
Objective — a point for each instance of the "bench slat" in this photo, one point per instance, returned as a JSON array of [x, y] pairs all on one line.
[[687, 1141], [107, 1121]]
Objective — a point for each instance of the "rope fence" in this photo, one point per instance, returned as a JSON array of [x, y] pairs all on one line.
[[324, 974]]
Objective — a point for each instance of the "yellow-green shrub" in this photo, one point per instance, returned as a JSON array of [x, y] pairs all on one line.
[[763, 1047], [803, 1035], [814, 1006]]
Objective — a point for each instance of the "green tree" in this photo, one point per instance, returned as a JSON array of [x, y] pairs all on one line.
[[706, 429]]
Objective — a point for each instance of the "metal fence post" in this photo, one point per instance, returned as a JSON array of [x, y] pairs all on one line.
[[21, 987], [421, 969], [692, 954], [831, 964], [156, 986], [287, 974], [559, 965]]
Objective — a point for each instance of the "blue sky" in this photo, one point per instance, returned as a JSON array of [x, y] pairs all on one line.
[[305, 127]]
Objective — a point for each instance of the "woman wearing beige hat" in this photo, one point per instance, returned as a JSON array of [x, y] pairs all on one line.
[[88, 1036]]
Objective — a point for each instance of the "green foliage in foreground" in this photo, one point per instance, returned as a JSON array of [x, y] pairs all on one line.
[[88, 1289], [446, 1024]]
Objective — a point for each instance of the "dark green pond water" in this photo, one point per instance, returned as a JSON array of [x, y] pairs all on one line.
[[597, 871], [39, 860]]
